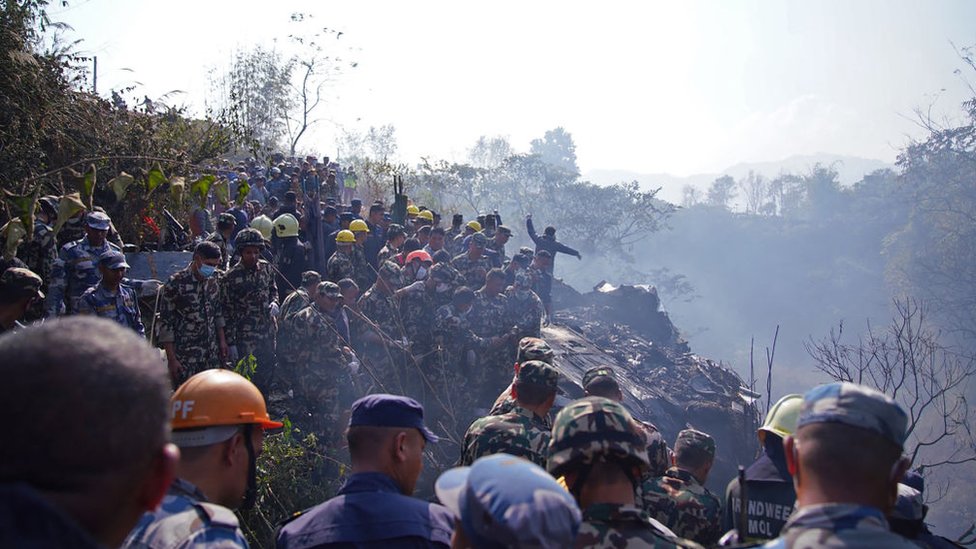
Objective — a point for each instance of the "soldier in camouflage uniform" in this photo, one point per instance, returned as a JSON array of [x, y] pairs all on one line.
[[473, 264], [291, 255], [19, 287], [214, 413], [340, 264], [110, 298], [362, 272], [525, 307], [249, 297], [191, 320], [596, 444], [314, 365], [529, 348], [395, 236], [679, 499], [602, 381], [300, 298], [491, 317], [41, 252], [522, 432], [221, 237], [846, 456], [382, 339]]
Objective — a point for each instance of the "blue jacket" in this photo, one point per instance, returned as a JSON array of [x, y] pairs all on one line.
[[369, 511], [27, 520]]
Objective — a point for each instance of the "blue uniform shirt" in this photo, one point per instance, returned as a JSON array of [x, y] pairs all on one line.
[[27, 520], [369, 511], [122, 307]]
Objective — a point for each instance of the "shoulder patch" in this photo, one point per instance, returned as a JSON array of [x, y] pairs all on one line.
[[219, 515]]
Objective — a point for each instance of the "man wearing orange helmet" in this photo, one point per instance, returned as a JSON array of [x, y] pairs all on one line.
[[218, 420]]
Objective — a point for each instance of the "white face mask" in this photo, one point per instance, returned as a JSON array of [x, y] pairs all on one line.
[[421, 273]]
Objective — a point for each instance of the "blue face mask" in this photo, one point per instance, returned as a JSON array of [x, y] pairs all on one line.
[[207, 271]]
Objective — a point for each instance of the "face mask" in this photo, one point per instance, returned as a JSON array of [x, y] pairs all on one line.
[[421, 273], [207, 271], [442, 287]]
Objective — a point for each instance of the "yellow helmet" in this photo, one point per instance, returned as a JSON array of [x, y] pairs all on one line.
[[345, 236], [413, 210], [264, 225], [426, 214], [474, 226], [782, 417], [358, 226], [286, 225]]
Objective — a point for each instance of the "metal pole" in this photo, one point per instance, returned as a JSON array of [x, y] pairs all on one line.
[[95, 75]]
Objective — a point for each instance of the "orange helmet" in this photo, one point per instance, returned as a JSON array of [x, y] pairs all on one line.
[[218, 398]]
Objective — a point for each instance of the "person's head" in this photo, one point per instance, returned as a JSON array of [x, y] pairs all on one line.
[[535, 385], [272, 204], [327, 296], [523, 282], [310, 281], [505, 501], [96, 227], [456, 220], [472, 227], [360, 230], [847, 447], [442, 256], [387, 434], [286, 226], [542, 260], [502, 234], [694, 451], [356, 206], [410, 245], [423, 235], [463, 299], [780, 423], [494, 281], [345, 240], [218, 419], [425, 218], [290, 197], [206, 259], [226, 223], [47, 208], [250, 243], [395, 236], [417, 265], [907, 517], [549, 232], [19, 288], [329, 214], [349, 290], [596, 445], [112, 267], [442, 278], [376, 212], [345, 218], [436, 239], [534, 348], [102, 454], [601, 381], [476, 246], [412, 212], [388, 277]]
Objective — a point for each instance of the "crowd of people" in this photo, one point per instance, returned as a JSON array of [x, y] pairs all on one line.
[[405, 335]]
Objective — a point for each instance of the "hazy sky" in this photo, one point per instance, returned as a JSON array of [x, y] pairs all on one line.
[[680, 87]]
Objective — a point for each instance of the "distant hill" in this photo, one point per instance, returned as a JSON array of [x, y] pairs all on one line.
[[850, 170]]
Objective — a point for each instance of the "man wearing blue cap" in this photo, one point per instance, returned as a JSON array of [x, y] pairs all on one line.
[[846, 461], [109, 298], [374, 508]]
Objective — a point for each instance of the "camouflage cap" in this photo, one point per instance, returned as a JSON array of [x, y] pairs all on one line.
[[479, 240], [113, 259], [692, 438], [98, 221], [311, 277], [249, 237], [443, 272], [539, 373], [505, 501], [20, 282], [533, 348], [597, 372], [389, 271], [909, 505], [226, 218], [857, 406], [523, 279], [591, 429], [329, 289]]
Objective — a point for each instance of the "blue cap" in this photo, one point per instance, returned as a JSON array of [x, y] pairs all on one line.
[[356, 202], [855, 405], [505, 501], [329, 210], [347, 216], [98, 221], [113, 260], [381, 410]]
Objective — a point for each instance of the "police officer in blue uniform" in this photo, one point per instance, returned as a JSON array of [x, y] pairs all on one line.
[[110, 298]]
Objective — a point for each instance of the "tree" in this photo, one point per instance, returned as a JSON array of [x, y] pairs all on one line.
[[557, 149], [756, 190], [690, 195], [908, 362], [721, 192], [490, 152]]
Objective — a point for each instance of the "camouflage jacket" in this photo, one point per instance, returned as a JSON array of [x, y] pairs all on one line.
[[525, 309], [521, 433], [246, 295], [40, 252], [417, 311], [221, 243], [454, 331], [657, 450], [682, 504], [472, 271], [491, 316], [185, 519], [383, 311], [122, 306], [838, 525], [363, 272], [296, 301], [340, 266], [614, 526], [189, 315], [309, 340], [386, 254], [498, 249], [75, 270]]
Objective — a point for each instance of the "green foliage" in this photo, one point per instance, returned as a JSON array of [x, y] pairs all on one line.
[[154, 178], [201, 188], [246, 366]]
